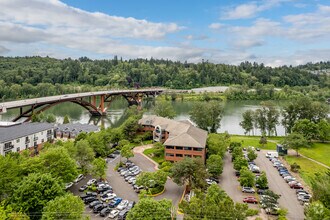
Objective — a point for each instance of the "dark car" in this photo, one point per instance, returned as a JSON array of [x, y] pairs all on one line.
[[105, 211], [237, 173], [122, 215], [83, 188], [261, 191], [106, 192], [94, 203], [90, 199], [116, 152], [257, 149], [98, 208], [91, 193], [214, 179], [112, 156], [83, 196]]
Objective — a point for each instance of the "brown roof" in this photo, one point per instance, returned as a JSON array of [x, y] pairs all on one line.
[[180, 133]]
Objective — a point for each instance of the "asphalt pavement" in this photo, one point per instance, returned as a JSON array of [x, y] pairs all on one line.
[[288, 199]]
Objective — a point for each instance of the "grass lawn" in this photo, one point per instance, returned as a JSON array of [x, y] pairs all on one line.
[[308, 168], [254, 141], [149, 152], [319, 152]]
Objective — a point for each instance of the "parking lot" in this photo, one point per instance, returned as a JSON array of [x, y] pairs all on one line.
[[288, 199]]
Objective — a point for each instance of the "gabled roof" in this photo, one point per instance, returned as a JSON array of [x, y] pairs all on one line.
[[16, 131], [75, 127], [181, 133]]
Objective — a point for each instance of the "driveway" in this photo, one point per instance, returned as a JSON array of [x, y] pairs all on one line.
[[288, 199]]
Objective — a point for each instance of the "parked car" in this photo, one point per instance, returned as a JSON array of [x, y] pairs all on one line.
[[214, 179], [257, 149], [248, 190], [91, 194], [83, 188], [122, 214], [121, 169], [108, 197], [79, 178], [68, 185], [90, 199], [123, 204], [130, 205], [115, 202], [98, 208], [113, 214], [83, 196], [128, 174], [304, 198], [91, 182], [105, 211], [112, 156], [297, 186], [237, 173], [272, 211], [116, 152], [106, 192], [94, 203], [136, 172], [250, 199], [301, 191], [131, 180], [133, 168], [103, 188]]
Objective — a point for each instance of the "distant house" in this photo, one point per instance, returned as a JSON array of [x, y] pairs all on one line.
[[71, 131], [181, 138], [15, 137]]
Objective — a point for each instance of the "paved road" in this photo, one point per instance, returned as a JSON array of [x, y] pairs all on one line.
[[228, 182], [276, 183]]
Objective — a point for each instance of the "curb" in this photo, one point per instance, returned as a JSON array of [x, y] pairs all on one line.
[[154, 195], [183, 194]]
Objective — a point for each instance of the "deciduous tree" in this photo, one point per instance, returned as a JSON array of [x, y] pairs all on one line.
[[247, 178], [99, 167], [262, 181], [214, 165], [252, 155], [164, 109], [84, 155], [247, 122], [295, 141]]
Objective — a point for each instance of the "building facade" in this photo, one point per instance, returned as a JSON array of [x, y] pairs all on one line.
[[180, 138], [71, 131], [15, 137]]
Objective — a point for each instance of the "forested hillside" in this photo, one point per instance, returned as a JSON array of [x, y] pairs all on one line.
[[23, 77]]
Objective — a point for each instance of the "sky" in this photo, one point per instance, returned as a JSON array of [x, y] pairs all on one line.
[[274, 32]]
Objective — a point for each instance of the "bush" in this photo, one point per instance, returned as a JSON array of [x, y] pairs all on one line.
[[155, 190], [295, 167], [252, 212]]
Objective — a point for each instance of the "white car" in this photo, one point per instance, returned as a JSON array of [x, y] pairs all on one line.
[[131, 180], [108, 196], [91, 182], [114, 213], [79, 178], [123, 204], [68, 185]]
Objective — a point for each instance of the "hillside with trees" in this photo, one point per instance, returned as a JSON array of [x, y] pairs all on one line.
[[26, 77]]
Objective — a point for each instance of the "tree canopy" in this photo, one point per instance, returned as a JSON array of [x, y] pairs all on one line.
[[164, 109]]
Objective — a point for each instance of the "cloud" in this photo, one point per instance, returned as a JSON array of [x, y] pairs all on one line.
[[194, 37], [3, 50], [216, 26], [247, 43], [250, 10]]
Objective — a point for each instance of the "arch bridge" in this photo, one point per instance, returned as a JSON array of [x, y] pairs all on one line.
[[95, 102]]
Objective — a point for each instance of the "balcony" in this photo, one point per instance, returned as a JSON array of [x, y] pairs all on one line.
[[8, 147], [27, 141], [35, 138]]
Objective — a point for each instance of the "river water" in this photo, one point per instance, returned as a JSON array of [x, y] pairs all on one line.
[[232, 115]]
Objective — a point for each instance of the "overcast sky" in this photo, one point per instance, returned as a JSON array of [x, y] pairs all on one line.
[[275, 32]]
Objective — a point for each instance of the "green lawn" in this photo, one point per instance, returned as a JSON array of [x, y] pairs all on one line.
[[308, 168], [319, 152], [254, 141], [149, 152]]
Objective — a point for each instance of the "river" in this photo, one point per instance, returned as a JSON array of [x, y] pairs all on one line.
[[230, 121]]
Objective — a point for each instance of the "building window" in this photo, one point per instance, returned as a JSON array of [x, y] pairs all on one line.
[[169, 147], [169, 155], [179, 148], [187, 148], [26, 147], [179, 155], [42, 140], [187, 155], [17, 141], [198, 149], [18, 149]]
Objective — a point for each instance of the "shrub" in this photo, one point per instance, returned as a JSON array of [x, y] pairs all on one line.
[[295, 167], [252, 212]]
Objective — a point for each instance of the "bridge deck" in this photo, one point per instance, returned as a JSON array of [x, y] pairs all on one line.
[[49, 99]]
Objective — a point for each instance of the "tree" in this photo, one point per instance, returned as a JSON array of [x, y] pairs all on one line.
[[33, 193], [324, 130], [67, 206], [189, 171], [320, 188], [84, 155], [295, 141], [247, 178], [215, 204], [126, 152], [239, 163], [272, 116], [6, 212], [59, 164], [164, 109], [247, 123], [214, 165], [150, 209], [260, 117], [51, 118], [99, 167], [270, 200], [159, 149], [316, 210], [130, 127], [263, 140], [262, 181], [207, 115], [152, 179], [252, 155], [306, 128], [217, 143], [66, 119], [10, 173]]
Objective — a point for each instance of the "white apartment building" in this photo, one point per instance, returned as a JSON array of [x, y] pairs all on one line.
[[15, 137]]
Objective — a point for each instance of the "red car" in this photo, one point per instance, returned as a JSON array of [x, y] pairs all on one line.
[[250, 199], [297, 186]]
